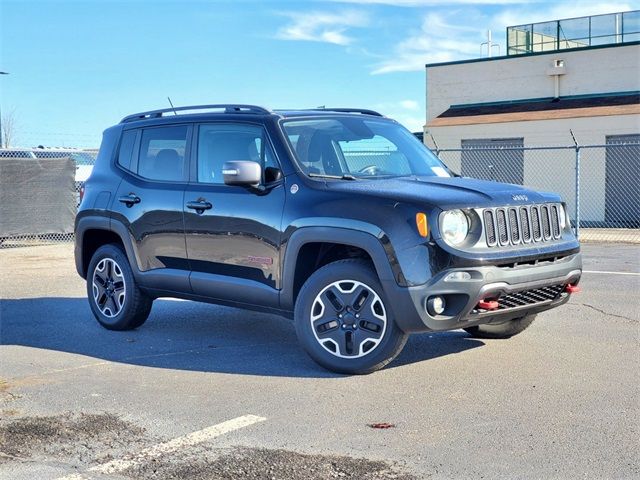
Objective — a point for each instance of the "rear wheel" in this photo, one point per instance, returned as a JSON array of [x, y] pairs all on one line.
[[114, 297], [501, 330], [343, 320]]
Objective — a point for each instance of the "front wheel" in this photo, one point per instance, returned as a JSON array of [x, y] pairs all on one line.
[[114, 297], [343, 320], [501, 330]]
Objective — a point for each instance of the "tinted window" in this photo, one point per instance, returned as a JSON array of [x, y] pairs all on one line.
[[221, 143], [162, 152], [369, 154], [126, 148], [362, 147]]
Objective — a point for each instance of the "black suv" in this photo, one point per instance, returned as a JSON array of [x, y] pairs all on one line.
[[338, 218]]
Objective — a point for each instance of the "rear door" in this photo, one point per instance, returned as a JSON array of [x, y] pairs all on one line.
[[150, 197], [233, 243]]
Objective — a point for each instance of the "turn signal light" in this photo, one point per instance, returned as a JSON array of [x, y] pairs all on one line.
[[421, 223]]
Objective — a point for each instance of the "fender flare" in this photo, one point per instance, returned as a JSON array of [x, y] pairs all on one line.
[[96, 222], [384, 260]]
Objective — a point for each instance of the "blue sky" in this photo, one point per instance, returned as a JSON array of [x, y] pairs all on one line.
[[77, 67]]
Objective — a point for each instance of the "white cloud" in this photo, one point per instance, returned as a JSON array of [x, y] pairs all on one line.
[[409, 104], [456, 34], [437, 41], [322, 26]]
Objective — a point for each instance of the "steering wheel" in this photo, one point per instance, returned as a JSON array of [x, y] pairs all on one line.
[[372, 170]]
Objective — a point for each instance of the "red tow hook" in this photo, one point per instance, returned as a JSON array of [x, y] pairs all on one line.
[[572, 288], [488, 304]]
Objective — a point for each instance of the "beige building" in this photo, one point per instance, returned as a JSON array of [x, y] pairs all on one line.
[[549, 86]]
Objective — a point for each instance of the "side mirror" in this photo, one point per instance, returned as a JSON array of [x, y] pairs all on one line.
[[242, 172]]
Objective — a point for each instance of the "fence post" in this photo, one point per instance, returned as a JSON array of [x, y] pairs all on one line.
[[577, 215]]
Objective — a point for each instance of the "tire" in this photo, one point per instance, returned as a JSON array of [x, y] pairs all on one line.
[[114, 297], [354, 330], [501, 330]]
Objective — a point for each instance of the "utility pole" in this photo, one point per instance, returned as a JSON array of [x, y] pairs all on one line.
[[1, 73]]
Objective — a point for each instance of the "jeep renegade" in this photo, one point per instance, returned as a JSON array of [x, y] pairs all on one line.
[[338, 218]]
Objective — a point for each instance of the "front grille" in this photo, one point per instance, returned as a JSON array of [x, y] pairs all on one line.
[[517, 225], [513, 225], [530, 297], [555, 220], [489, 227], [546, 228], [535, 219], [526, 226], [502, 227]]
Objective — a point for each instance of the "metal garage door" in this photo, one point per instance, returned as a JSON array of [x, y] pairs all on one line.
[[485, 159], [622, 187]]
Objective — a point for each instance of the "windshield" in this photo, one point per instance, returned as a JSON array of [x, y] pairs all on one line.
[[352, 147]]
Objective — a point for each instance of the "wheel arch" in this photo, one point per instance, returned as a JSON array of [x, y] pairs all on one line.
[[310, 248], [94, 231]]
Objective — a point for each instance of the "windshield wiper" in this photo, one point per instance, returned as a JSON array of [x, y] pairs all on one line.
[[344, 176]]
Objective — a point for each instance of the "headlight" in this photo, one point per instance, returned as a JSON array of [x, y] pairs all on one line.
[[455, 227]]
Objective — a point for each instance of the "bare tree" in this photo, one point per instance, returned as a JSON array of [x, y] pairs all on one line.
[[8, 128]]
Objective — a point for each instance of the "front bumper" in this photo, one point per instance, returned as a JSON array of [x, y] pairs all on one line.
[[534, 288]]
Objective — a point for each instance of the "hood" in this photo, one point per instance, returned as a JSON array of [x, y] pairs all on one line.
[[446, 193]]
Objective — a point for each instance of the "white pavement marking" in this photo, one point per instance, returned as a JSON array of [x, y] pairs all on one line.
[[611, 273], [189, 440]]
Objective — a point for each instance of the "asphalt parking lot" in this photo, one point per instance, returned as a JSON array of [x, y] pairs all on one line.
[[202, 391]]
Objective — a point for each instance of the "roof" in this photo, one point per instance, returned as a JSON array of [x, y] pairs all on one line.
[[239, 109], [540, 104], [314, 112], [622, 103], [524, 55]]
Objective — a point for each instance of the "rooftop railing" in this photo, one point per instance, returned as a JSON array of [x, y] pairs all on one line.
[[608, 29]]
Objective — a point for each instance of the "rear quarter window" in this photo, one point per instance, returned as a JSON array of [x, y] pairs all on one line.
[[125, 152]]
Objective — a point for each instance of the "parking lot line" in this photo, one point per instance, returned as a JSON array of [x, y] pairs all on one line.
[[611, 273], [189, 440]]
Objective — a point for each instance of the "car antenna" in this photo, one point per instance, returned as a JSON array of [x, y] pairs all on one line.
[[171, 103]]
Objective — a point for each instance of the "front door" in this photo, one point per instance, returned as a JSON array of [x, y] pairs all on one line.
[[150, 198], [233, 232]]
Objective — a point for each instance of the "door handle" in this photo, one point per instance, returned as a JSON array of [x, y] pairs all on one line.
[[130, 199], [199, 205]]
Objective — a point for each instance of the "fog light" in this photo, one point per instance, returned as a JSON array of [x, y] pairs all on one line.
[[436, 305], [458, 277]]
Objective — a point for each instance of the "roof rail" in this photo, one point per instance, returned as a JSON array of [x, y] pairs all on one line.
[[364, 111], [228, 108]]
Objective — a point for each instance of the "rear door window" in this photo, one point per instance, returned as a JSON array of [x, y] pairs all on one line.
[[162, 153]]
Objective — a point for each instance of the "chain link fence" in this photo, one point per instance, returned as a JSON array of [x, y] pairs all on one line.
[[599, 183], [40, 193]]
